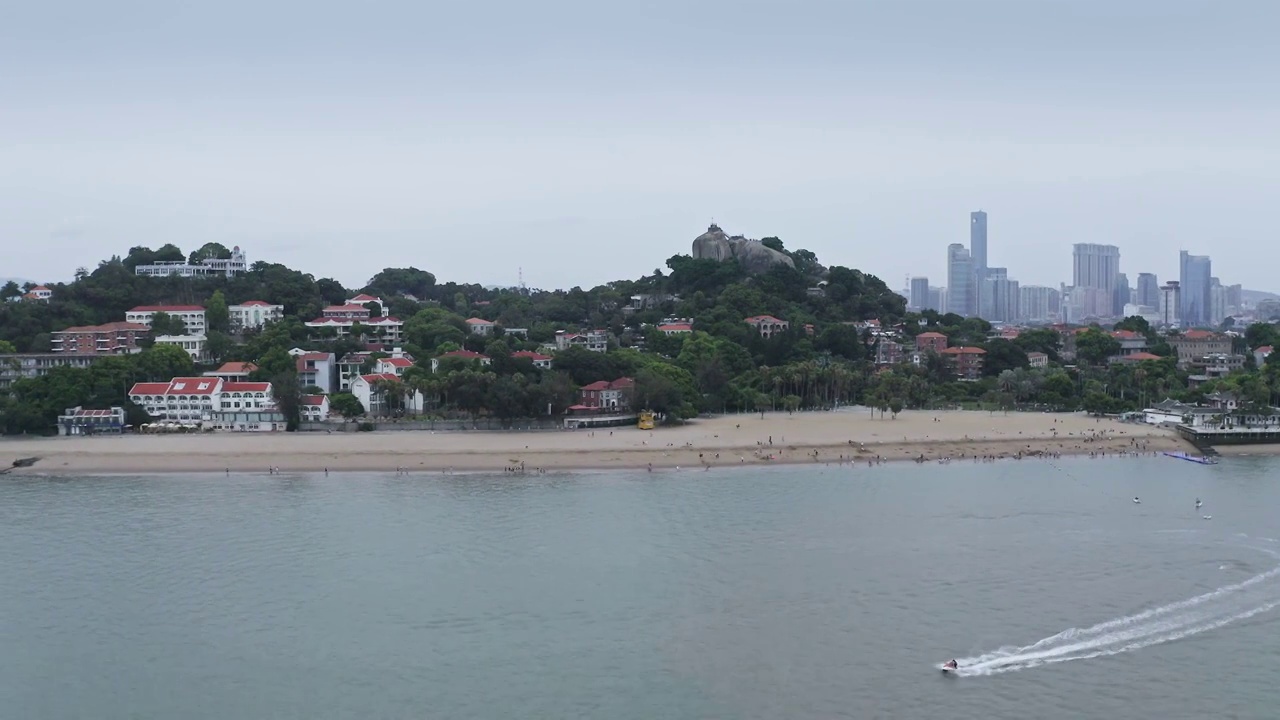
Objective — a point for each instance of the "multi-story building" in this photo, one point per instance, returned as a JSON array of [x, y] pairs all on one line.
[[191, 315], [1218, 308], [1170, 307], [593, 340], [966, 362], [1037, 360], [113, 338], [16, 366], [978, 243], [1095, 271], [768, 325], [480, 326], [318, 369], [931, 342], [607, 395], [1148, 290], [39, 293], [1037, 304], [1195, 344], [314, 408], [209, 401], [194, 345], [234, 371], [1195, 279], [228, 267], [680, 328], [961, 298], [919, 299], [373, 390], [84, 421], [998, 296], [1120, 295], [341, 319], [253, 314]]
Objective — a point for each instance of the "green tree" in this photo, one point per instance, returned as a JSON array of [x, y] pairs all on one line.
[[346, 405], [208, 251], [1095, 346], [1002, 355], [162, 323], [217, 316]]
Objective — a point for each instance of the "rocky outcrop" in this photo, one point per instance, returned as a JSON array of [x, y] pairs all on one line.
[[754, 257]]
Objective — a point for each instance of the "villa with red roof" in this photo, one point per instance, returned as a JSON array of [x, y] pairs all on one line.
[[605, 395], [340, 319], [539, 360], [191, 315], [1261, 354], [768, 325], [39, 293], [233, 371], [393, 365], [670, 329], [314, 408], [931, 342], [592, 340], [471, 355], [253, 314], [480, 326]]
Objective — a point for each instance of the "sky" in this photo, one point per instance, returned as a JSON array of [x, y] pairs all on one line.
[[583, 142]]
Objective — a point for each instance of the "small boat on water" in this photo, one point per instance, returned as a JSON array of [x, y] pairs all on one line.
[[1201, 459]]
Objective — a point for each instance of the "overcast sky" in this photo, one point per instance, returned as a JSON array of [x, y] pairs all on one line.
[[590, 141]]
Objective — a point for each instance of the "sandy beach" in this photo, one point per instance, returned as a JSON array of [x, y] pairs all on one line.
[[825, 437]]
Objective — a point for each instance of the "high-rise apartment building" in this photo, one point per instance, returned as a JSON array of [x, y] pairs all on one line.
[[1148, 290], [960, 281], [1194, 272], [1120, 295], [1095, 269], [1037, 304], [1170, 303], [998, 296], [919, 299], [978, 242]]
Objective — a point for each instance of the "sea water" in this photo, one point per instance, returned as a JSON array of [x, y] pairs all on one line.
[[790, 592]]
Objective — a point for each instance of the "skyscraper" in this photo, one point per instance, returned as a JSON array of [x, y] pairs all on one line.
[[960, 280], [1194, 272], [978, 242], [1095, 271], [1148, 290], [1037, 304], [920, 293], [1170, 303], [1120, 296]]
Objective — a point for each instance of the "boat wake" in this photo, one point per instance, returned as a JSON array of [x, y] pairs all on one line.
[[1175, 621]]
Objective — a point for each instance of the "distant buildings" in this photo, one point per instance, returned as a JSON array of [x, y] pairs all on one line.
[[1095, 275], [1170, 306], [670, 329], [978, 243], [592, 340], [931, 342], [229, 267], [1197, 344], [480, 326], [966, 362], [108, 339], [960, 281], [1148, 291], [1195, 279], [39, 293], [919, 299], [16, 366], [1038, 304]]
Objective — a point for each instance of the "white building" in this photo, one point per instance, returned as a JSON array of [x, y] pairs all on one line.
[[210, 402], [191, 315], [480, 326], [539, 360], [393, 366], [252, 315], [194, 345], [768, 325], [374, 400], [229, 267], [593, 340], [39, 293], [314, 408], [317, 369]]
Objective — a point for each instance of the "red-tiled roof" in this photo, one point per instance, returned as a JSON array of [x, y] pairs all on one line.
[[245, 387], [313, 400], [379, 376], [92, 413], [676, 327], [1036, 355], [42, 287], [530, 354], [931, 335], [236, 368], [1125, 335], [168, 308], [762, 319], [597, 385], [479, 321], [1200, 335], [253, 303], [1264, 349], [397, 362], [964, 351], [105, 328], [194, 386], [1139, 356], [149, 388], [364, 298], [346, 308]]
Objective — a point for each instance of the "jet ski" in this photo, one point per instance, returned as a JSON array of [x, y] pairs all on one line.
[[950, 667], [1136, 501]]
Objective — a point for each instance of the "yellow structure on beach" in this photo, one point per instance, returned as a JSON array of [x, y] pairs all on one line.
[[646, 420]]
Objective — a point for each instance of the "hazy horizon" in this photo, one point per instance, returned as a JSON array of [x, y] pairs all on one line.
[[586, 143]]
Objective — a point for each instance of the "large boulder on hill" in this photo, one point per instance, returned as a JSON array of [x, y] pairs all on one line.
[[754, 257]]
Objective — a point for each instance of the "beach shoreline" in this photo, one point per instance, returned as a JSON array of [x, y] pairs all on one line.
[[727, 441]]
